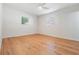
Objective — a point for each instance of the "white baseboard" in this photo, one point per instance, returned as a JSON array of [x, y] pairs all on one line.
[[47, 35], [0, 43], [21, 35], [61, 37]]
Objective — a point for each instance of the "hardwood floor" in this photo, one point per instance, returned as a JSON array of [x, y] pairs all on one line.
[[39, 45], [0, 51]]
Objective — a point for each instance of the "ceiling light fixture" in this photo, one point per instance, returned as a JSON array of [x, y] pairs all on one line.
[[42, 6]]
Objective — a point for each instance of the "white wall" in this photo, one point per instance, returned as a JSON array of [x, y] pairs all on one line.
[[0, 24], [12, 23], [62, 23]]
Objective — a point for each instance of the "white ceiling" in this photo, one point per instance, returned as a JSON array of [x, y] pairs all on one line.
[[33, 7]]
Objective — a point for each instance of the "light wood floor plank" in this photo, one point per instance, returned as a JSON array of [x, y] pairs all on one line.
[[39, 45]]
